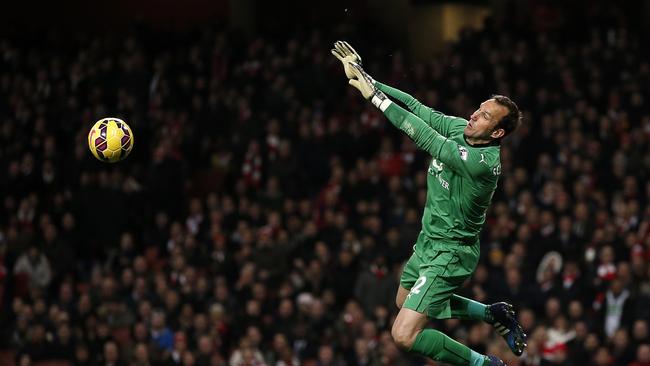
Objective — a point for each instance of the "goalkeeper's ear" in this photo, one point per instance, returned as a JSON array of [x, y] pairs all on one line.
[[498, 133]]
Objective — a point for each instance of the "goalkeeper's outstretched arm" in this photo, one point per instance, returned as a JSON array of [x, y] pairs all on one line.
[[424, 136], [436, 120], [442, 123]]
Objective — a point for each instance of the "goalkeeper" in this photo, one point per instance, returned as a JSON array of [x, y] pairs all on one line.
[[461, 180]]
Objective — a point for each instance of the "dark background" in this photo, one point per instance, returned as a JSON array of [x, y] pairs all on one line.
[[266, 209]]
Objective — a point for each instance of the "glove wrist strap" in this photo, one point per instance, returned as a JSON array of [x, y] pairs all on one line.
[[380, 100]]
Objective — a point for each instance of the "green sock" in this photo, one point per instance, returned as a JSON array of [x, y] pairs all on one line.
[[439, 347], [464, 308]]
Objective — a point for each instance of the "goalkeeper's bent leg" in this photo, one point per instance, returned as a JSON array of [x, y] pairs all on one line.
[[409, 334], [440, 347]]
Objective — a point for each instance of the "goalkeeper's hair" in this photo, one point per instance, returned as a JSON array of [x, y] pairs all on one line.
[[513, 119]]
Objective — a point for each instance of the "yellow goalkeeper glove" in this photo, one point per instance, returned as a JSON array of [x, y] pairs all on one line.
[[366, 85], [346, 54]]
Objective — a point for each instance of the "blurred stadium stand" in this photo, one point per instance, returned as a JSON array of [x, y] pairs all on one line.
[[266, 210]]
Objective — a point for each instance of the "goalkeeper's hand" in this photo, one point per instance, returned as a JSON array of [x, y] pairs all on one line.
[[366, 85], [346, 54], [361, 80]]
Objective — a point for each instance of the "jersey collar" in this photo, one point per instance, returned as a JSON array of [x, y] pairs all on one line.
[[492, 143]]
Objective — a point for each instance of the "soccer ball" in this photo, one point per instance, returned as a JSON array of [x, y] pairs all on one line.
[[110, 140]]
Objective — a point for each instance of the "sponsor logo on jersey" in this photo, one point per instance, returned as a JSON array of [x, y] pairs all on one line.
[[443, 183], [435, 168]]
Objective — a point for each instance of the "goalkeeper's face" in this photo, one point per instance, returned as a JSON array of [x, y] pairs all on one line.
[[483, 122]]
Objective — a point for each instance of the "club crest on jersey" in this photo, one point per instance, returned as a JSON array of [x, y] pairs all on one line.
[[463, 152]]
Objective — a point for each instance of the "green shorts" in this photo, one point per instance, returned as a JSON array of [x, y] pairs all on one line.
[[434, 272]]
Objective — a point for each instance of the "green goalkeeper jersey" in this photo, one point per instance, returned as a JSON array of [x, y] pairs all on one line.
[[461, 177]]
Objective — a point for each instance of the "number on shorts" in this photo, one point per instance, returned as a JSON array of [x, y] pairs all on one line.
[[419, 283]]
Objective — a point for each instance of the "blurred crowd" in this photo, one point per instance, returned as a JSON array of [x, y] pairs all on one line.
[[266, 209]]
